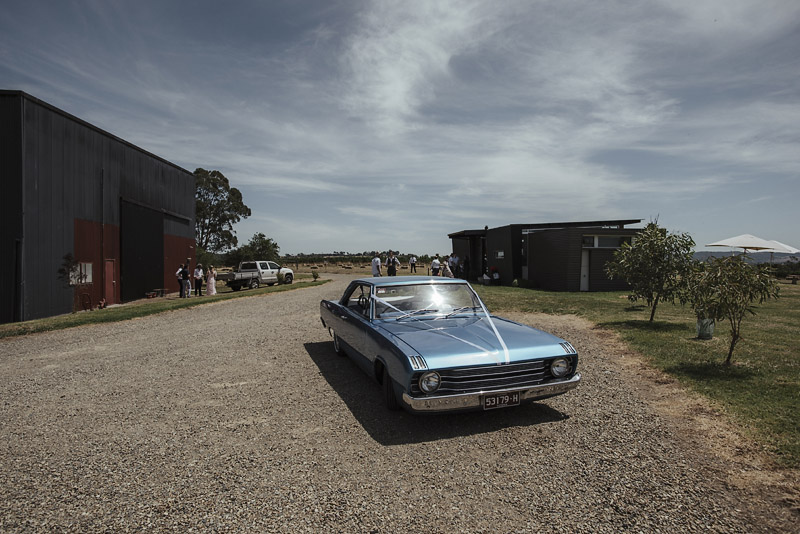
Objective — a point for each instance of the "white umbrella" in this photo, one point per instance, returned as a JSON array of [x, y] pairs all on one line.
[[780, 247], [745, 241]]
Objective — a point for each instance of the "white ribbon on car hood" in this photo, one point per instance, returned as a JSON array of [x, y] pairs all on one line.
[[448, 334], [496, 333]]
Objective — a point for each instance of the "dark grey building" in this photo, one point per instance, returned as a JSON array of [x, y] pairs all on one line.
[[126, 216], [566, 256]]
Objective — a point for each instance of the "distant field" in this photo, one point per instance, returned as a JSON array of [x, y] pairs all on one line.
[[348, 268]]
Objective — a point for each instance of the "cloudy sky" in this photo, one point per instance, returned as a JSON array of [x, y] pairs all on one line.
[[359, 125]]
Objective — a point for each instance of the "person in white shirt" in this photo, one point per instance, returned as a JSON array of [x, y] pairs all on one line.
[[376, 265], [412, 262], [198, 280], [435, 264], [453, 261]]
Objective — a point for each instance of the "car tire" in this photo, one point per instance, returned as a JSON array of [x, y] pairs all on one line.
[[288, 279], [337, 346], [389, 395], [254, 284]]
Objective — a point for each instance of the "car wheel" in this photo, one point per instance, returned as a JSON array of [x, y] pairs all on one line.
[[388, 392], [288, 279], [254, 284], [337, 346]]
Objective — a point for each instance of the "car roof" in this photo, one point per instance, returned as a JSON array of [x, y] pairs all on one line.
[[409, 280]]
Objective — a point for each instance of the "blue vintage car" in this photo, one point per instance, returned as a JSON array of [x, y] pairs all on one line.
[[433, 346]]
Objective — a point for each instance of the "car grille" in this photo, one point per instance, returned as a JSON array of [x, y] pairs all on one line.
[[489, 377]]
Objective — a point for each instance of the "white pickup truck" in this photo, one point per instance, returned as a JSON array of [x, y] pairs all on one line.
[[254, 273]]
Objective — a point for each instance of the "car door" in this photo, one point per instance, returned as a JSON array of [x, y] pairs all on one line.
[[268, 273], [355, 318]]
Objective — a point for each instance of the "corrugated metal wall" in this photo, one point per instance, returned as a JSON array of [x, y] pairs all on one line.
[[547, 259], [555, 259], [11, 209], [71, 170], [502, 240]]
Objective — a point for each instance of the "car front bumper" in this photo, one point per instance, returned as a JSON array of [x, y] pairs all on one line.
[[475, 400]]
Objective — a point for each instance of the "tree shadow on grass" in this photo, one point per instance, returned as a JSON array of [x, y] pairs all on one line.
[[712, 371], [363, 397], [635, 308], [645, 326]]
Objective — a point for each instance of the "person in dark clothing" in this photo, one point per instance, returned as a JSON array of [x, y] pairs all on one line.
[[181, 287], [185, 280], [391, 264]]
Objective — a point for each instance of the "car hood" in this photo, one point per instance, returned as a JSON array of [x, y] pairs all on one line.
[[465, 341]]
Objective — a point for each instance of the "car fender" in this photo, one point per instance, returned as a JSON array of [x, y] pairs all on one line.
[[392, 354]]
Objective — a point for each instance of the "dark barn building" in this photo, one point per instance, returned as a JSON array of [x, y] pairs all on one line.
[[126, 216], [567, 256]]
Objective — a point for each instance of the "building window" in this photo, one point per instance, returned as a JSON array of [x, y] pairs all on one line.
[[605, 241], [85, 273], [499, 254], [612, 241]]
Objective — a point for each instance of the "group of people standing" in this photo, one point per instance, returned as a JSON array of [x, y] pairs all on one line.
[[185, 280], [450, 266]]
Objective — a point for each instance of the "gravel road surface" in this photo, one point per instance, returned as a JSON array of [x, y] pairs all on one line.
[[238, 416]]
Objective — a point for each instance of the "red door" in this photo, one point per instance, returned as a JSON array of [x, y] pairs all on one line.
[[110, 284]]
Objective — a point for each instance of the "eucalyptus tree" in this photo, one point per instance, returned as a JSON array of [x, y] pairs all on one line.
[[218, 206]]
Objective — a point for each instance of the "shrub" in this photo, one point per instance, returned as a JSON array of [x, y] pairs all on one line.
[[653, 265], [726, 288]]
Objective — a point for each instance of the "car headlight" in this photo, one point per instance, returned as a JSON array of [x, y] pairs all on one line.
[[430, 381], [560, 367]]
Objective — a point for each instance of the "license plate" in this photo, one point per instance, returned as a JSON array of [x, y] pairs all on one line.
[[500, 400]]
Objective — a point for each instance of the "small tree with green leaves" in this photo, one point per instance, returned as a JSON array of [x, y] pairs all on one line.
[[726, 288], [260, 247], [653, 265], [701, 292]]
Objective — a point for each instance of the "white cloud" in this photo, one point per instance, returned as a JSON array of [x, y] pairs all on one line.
[[399, 122]]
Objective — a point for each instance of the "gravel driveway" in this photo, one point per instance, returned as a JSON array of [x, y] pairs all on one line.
[[238, 416]]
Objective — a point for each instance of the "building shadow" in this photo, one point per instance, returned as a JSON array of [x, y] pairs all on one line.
[[364, 398]]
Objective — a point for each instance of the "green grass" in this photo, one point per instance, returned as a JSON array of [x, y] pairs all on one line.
[[760, 391], [139, 308]]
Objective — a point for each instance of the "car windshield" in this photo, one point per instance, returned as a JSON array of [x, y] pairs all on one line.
[[418, 300]]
